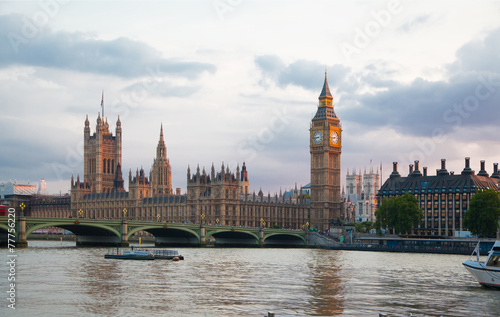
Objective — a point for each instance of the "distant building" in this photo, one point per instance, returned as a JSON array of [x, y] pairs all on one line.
[[361, 195], [306, 190], [26, 200], [10, 189], [49, 206], [42, 187], [443, 197]]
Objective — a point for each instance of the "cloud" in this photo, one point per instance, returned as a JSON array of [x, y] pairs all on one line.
[[468, 98], [162, 89], [122, 57], [412, 24], [301, 73], [481, 55]]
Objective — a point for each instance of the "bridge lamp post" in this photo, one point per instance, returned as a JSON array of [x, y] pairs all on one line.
[[124, 213], [158, 217], [261, 221], [202, 217], [22, 205], [217, 220], [80, 212]]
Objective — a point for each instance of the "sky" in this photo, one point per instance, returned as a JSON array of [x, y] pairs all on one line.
[[235, 81]]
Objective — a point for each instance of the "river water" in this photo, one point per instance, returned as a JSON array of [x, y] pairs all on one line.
[[63, 280]]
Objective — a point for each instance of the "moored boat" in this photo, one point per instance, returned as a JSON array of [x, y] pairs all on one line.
[[129, 254], [164, 254], [487, 273]]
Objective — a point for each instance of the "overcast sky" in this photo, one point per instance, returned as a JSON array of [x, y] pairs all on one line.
[[238, 80]]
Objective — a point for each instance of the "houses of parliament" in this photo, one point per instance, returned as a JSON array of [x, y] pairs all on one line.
[[217, 196]]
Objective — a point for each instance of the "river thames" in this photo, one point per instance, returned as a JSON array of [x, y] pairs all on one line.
[[55, 280]]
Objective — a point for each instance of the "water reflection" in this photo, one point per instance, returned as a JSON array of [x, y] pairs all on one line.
[[101, 283], [327, 289], [55, 280]]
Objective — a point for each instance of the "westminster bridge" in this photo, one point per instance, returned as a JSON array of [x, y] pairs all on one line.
[[116, 232]]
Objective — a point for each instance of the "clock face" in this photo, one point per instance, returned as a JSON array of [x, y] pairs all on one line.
[[334, 137], [318, 137]]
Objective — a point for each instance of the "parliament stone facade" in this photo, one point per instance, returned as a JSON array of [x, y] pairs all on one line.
[[220, 196]]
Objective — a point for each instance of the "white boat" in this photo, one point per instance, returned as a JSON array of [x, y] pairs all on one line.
[[487, 273], [129, 254]]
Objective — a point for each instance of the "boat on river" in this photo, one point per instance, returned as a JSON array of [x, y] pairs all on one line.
[[131, 254], [164, 254], [144, 254], [487, 273]]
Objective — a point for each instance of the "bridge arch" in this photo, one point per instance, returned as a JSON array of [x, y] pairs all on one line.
[[71, 227], [87, 234], [233, 238], [280, 239], [170, 235]]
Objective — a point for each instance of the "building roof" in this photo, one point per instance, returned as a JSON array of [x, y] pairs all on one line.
[[10, 188], [438, 184], [325, 110], [325, 92]]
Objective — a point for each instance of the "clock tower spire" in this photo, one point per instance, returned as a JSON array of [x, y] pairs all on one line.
[[325, 148]]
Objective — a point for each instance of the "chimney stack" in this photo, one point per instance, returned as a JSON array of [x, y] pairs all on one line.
[[482, 172], [416, 172], [495, 171], [395, 172], [443, 170], [467, 170]]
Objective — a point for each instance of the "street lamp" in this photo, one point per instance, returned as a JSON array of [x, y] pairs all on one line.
[[202, 217], [158, 217], [22, 205], [80, 212], [124, 213]]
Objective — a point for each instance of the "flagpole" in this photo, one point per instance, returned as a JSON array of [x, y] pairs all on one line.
[[381, 175], [102, 103]]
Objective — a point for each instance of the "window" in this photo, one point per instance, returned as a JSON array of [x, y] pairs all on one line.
[[494, 261]]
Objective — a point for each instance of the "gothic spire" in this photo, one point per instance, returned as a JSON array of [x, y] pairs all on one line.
[[325, 92], [161, 149], [161, 132]]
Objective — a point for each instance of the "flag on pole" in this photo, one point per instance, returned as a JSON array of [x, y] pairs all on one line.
[[476, 250], [102, 103]]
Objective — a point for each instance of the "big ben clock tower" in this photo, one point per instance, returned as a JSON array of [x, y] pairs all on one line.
[[325, 148]]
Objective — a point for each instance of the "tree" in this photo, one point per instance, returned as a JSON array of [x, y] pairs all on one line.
[[484, 209], [364, 227], [401, 213]]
